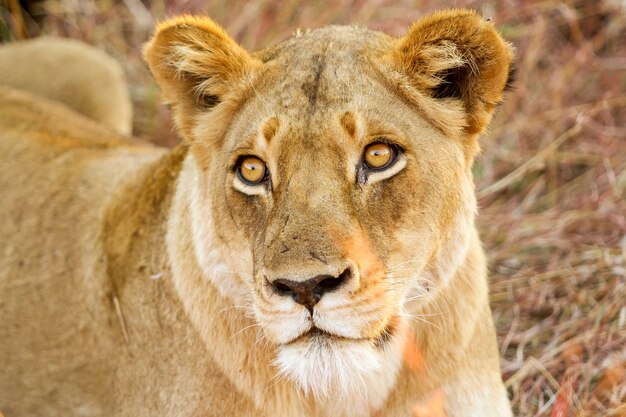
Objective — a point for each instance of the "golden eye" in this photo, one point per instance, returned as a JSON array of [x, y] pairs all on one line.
[[379, 155], [251, 170]]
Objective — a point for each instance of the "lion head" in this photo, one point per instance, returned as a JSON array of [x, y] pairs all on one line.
[[333, 189]]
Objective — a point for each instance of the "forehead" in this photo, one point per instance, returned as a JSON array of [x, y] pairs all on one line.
[[310, 81], [319, 69]]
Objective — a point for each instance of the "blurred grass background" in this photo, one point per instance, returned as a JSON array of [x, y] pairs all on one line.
[[551, 179]]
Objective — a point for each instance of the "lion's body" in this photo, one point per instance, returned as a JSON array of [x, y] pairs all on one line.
[[106, 307]]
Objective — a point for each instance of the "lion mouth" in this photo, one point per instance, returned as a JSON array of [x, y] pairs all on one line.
[[315, 334]]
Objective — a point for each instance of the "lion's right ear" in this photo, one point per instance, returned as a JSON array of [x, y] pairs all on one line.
[[197, 65]]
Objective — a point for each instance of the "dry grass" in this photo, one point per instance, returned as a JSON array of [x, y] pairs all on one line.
[[551, 180]]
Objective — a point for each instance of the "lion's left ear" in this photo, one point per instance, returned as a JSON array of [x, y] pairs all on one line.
[[457, 54], [197, 65]]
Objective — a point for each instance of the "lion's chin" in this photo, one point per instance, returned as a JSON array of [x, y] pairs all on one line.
[[355, 372]]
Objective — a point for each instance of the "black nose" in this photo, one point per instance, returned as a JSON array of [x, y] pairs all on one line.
[[309, 292]]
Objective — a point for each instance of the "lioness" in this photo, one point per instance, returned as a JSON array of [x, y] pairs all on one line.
[[309, 250]]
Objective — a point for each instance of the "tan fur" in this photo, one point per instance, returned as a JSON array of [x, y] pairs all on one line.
[[137, 282], [73, 73]]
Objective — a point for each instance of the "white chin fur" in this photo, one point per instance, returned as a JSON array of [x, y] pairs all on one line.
[[350, 378]]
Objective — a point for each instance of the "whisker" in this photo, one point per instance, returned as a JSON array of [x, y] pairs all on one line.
[[395, 267], [245, 308], [423, 320], [245, 328]]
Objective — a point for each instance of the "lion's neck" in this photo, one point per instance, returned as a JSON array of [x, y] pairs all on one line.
[[450, 333]]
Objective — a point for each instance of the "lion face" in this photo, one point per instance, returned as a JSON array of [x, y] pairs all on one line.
[[336, 180]]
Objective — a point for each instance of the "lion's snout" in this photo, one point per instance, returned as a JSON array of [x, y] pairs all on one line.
[[308, 293]]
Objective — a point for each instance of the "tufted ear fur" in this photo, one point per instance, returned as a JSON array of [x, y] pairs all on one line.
[[457, 55], [197, 65]]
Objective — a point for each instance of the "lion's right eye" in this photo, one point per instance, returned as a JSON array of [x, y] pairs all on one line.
[[251, 170]]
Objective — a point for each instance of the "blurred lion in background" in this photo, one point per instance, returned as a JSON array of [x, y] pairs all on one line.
[[73, 73], [309, 249]]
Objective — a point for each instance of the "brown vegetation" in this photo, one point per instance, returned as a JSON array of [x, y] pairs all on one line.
[[551, 179]]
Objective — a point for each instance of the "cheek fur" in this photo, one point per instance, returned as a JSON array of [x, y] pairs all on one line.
[[247, 213], [387, 205]]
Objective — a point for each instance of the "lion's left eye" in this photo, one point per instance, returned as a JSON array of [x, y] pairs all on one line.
[[379, 155], [251, 170]]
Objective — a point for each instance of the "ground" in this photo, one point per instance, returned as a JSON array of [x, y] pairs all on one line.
[[551, 179]]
